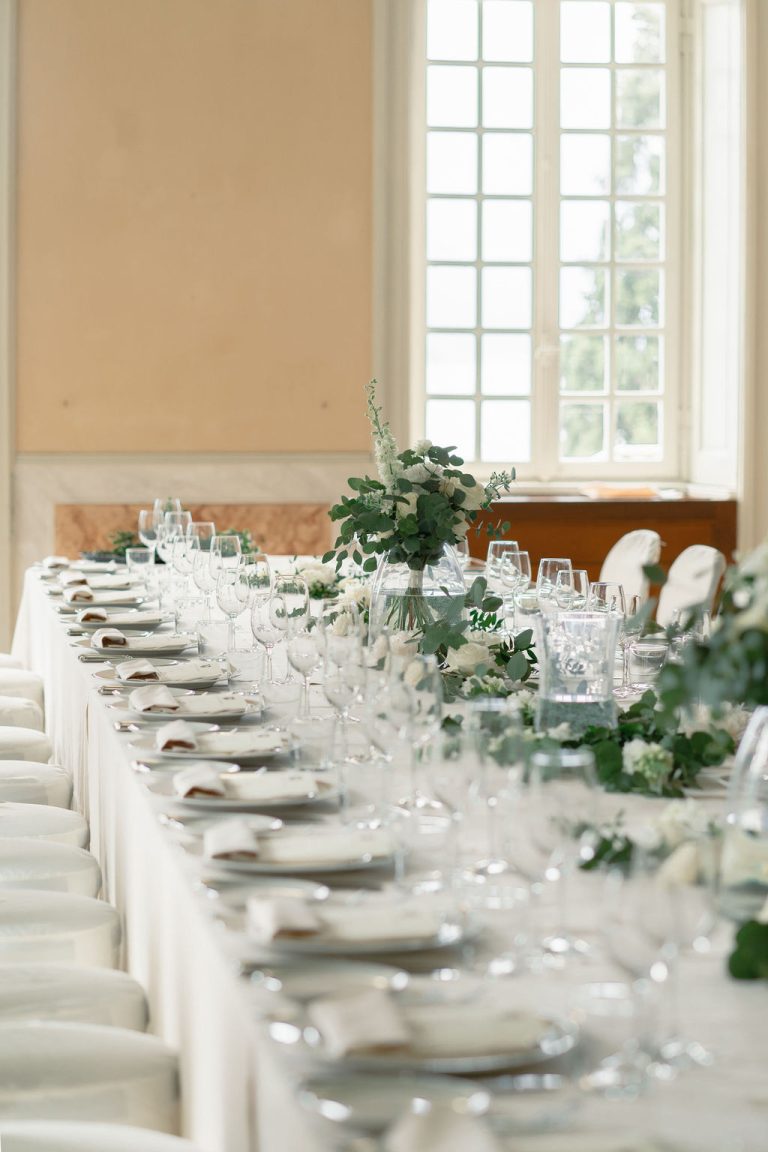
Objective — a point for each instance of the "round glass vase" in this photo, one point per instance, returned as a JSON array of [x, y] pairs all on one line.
[[405, 599]]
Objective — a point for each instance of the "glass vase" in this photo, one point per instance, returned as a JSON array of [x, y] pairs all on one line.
[[408, 599]]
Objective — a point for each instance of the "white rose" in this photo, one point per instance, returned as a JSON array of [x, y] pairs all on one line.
[[468, 657], [315, 573], [421, 447], [403, 643], [460, 530], [413, 674], [681, 869], [417, 473], [473, 497], [359, 595], [447, 485]]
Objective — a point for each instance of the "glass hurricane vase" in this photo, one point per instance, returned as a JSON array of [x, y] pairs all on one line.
[[408, 599]]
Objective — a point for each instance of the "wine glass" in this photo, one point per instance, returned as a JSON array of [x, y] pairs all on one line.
[[416, 702], [304, 657], [174, 524], [546, 578], [184, 550], [147, 528], [204, 578], [161, 506], [225, 553], [344, 677], [232, 594], [633, 626], [497, 551], [264, 632], [289, 606], [572, 590], [204, 531]]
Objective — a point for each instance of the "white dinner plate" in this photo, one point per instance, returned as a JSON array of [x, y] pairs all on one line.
[[359, 853], [171, 675], [371, 1103], [316, 791], [139, 645], [233, 746], [247, 708], [103, 600], [131, 619]]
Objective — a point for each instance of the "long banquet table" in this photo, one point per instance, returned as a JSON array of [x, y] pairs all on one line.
[[238, 1090]]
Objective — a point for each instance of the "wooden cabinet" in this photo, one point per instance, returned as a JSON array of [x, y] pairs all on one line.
[[585, 529]]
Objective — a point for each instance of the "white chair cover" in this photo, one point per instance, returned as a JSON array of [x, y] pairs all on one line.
[[19, 682], [24, 744], [47, 866], [624, 563], [8, 661], [65, 994], [693, 579], [19, 712], [49, 1136], [42, 821], [26, 782], [87, 1072], [55, 928]]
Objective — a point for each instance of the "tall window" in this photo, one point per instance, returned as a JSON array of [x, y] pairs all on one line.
[[552, 246]]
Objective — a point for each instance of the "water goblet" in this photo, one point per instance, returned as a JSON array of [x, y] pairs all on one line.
[[264, 632], [203, 577], [204, 531], [546, 578], [232, 599], [304, 657], [225, 552], [147, 528], [498, 550], [571, 589]]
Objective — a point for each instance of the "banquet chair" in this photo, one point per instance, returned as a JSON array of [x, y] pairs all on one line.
[[56, 928], [58, 1071], [29, 783], [692, 581], [43, 821], [20, 712], [49, 1136], [8, 661], [24, 744], [63, 993], [19, 682], [47, 866], [626, 559]]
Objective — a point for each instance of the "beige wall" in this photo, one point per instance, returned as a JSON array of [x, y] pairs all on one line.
[[760, 425], [194, 225]]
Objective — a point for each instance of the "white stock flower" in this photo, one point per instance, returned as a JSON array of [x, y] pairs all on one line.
[[358, 594], [473, 497], [648, 760], [734, 720], [421, 447], [447, 485], [468, 657]]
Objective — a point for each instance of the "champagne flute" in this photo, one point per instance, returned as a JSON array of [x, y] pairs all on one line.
[[633, 626], [344, 677], [203, 577]]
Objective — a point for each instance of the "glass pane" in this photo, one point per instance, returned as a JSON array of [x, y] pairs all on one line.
[[507, 164], [638, 297], [638, 430], [452, 230], [451, 363], [451, 298], [505, 431], [582, 364], [585, 164], [638, 231], [451, 96], [582, 431], [506, 297], [639, 165], [507, 97], [505, 364], [582, 298], [639, 98], [508, 30], [452, 162], [507, 230], [585, 32], [452, 422], [585, 98], [585, 230], [452, 30], [640, 33], [638, 363]]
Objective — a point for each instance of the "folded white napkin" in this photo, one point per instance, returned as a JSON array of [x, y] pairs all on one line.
[[274, 785], [279, 918], [109, 581], [191, 670], [367, 922], [169, 640], [154, 698], [366, 1021], [231, 840], [225, 704], [72, 579], [200, 779], [244, 742], [136, 670], [176, 736], [80, 594], [441, 1129], [316, 845], [467, 1030], [55, 563], [108, 638], [92, 616]]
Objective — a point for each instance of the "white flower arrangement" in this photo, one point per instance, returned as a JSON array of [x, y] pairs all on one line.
[[648, 760]]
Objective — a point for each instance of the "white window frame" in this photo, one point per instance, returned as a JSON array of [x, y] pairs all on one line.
[[400, 203]]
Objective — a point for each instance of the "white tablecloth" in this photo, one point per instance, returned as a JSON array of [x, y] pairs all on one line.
[[237, 1088]]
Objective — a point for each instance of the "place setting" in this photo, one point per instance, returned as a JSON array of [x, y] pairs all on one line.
[[157, 703], [190, 673], [183, 740], [113, 644], [210, 787]]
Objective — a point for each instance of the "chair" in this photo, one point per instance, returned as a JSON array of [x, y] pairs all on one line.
[[48, 1136], [19, 712], [56, 928], [47, 866], [692, 581], [65, 993], [24, 744], [19, 682], [29, 783], [42, 821], [53, 1071], [8, 661], [626, 559]]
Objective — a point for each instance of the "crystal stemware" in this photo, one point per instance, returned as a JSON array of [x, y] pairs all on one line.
[[232, 598], [498, 551], [546, 578]]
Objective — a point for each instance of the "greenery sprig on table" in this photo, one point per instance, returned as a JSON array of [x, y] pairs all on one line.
[[749, 959]]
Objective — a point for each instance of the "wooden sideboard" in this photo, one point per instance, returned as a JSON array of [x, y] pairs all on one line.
[[585, 529]]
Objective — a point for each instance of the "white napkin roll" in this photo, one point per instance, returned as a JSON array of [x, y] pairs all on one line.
[[681, 867], [81, 594], [72, 579], [154, 698], [109, 638], [136, 670], [92, 615], [440, 1130], [366, 1021], [55, 563], [280, 917], [231, 840], [176, 736], [201, 779]]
